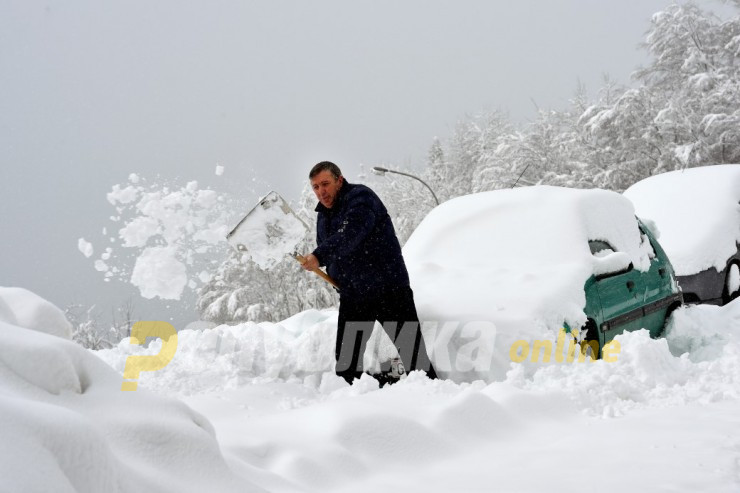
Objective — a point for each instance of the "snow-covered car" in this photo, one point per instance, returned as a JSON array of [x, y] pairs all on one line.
[[697, 212], [532, 261]]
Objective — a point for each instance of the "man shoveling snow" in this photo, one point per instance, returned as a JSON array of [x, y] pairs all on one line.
[[358, 245]]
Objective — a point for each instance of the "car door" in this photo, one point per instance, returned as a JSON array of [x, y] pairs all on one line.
[[622, 295], [661, 292]]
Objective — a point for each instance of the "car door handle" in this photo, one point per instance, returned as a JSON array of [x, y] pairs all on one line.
[[630, 285]]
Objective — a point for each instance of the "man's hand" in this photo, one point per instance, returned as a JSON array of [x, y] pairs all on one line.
[[310, 262]]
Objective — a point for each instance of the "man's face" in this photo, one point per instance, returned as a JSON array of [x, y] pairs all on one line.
[[326, 188]]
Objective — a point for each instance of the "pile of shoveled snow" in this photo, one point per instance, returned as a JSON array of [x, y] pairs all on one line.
[[698, 361], [230, 356], [66, 425], [702, 349]]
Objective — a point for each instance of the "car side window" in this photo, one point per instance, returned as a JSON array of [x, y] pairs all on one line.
[[600, 248], [608, 261]]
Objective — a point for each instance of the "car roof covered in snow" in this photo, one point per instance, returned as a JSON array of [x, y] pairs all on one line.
[[518, 257], [697, 212]]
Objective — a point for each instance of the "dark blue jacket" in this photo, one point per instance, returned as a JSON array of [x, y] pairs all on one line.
[[357, 243]]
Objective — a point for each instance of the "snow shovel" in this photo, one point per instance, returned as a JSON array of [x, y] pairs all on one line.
[[270, 231]]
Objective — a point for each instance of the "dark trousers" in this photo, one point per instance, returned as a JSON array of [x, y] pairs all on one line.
[[394, 308]]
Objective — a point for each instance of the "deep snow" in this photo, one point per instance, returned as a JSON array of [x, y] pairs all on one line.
[[67, 427], [265, 411], [664, 416]]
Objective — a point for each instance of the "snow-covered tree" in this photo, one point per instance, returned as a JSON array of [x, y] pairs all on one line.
[[453, 167], [686, 112], [454, 176], [90, 332], [436, 164]]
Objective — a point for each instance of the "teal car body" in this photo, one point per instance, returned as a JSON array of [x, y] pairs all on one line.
[[628, 299]]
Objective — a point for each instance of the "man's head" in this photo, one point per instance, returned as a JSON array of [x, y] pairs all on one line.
[[326, 180]]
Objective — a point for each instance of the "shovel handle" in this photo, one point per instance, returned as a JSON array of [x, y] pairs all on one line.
[[323, 275]]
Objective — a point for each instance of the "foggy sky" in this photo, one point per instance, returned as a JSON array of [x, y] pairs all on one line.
[[91, 91]]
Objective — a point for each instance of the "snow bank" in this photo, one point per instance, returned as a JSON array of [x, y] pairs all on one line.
[[677, 412], [519, 259], [704, 333], [301, 347], [230, 356], [285, 421], [697, 211], [21, 307], [67, 426], [699, 360]]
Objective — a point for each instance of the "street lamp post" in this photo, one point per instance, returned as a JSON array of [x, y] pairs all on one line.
[[381, 171]]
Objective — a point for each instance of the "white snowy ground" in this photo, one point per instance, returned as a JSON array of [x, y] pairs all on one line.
[[66, 426], [664, 417], [262, 410]]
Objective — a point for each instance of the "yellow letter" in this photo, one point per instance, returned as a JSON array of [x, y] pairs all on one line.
[[594, 345], [559, 346], [547, 346], [572, 346], [513, 352], [136, 364], [609, 347]]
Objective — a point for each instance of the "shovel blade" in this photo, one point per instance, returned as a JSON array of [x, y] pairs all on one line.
[[269, 232]]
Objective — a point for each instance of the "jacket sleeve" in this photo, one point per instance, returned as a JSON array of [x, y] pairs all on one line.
[[319, 229], [357, 223]]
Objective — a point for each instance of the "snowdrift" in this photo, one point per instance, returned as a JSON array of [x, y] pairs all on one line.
[[67, 427], [698, 360], [286, 421], [21, 307]]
